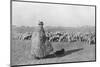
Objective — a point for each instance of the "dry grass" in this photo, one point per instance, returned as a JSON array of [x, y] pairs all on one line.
[[76, 51]]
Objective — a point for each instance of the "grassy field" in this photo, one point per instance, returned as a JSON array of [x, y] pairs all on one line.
[[75, 51]]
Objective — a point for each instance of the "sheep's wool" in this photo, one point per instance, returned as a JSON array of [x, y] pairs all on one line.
[[40, 47]]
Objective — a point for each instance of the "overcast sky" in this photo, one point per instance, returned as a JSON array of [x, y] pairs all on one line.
[[29, 14]]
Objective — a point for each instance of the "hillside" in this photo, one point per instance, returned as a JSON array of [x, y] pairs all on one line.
[[24, 29]]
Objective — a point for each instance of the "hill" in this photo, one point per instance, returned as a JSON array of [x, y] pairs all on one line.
[[23, 29]]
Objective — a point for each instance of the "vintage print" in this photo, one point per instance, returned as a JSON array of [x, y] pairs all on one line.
[[48, 33]]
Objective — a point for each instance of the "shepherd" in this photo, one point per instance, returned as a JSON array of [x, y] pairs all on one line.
[[40, 46]]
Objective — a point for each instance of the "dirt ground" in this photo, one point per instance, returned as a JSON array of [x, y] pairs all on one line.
[[75, 51]]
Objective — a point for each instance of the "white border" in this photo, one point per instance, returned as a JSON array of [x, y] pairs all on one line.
[[5, 33]]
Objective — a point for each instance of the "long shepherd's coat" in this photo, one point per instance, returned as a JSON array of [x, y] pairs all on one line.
[[40, 47]]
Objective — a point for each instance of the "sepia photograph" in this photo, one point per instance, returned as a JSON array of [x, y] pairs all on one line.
[[52, 33]]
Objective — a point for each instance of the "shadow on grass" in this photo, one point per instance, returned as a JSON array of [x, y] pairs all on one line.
[[63, 54]]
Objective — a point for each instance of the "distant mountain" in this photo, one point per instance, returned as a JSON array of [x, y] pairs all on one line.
[[24, 29], [71, 29]]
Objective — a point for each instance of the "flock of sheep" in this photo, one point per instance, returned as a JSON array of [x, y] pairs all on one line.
[[71, 37], [88, 37]]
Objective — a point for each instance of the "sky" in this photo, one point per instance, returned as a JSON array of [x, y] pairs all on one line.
[[29, 14]]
